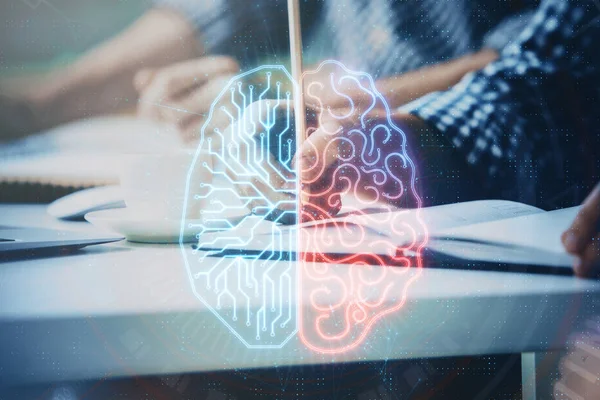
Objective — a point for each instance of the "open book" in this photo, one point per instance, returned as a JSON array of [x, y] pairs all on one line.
[[489, 234]]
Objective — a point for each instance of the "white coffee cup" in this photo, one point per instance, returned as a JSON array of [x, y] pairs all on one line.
[[164, 185]]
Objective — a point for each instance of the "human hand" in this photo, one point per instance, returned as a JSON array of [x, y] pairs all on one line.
[[580, 368], [356, 145], [364, 155], [181, 94], [353, 144], [582, 239]]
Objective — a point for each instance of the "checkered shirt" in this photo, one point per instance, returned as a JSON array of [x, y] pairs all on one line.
[[528, 124]]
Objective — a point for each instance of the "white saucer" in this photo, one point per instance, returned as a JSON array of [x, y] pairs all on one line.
[[139, 228]]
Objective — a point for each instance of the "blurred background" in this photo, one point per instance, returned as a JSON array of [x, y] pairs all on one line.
[[37, 35]]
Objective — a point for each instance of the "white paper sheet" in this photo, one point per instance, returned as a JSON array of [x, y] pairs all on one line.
[[258, 236], [532, 239]]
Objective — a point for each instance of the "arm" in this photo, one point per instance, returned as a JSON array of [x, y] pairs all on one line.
[[402, 89], [431, 156], [102, 80], [509, 121], [412, 85]]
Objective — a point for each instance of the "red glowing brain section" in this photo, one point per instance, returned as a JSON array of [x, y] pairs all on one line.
[[357, 151]]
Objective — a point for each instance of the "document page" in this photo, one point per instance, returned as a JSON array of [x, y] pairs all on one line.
[[529, 239], [447, 216], [378, 225]]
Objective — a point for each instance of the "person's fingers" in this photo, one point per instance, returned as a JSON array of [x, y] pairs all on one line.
[[321, 199], [587, 263], [316, 154], [320, 150], [142, 79], [178, 78], [196, 103], [584, 356], [576, 382], [170, 83], [150, 105], [585, 225], [218, 122], [333, 139], [192, 130], [575, 387], [579, 369]]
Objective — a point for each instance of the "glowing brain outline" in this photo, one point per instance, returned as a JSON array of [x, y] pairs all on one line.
[[335, 324], [362, 310]]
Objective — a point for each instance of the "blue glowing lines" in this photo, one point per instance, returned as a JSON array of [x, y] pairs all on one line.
[[249, 136]]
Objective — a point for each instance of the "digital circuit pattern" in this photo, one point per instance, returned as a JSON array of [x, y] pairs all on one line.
[[249, 135], [287, 280]]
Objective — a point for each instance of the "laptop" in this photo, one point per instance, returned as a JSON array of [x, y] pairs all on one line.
[[15, 240]]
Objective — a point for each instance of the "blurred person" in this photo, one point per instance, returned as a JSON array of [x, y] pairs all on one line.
[[101, 81], [526, 126], [411, 48], [181, 52]]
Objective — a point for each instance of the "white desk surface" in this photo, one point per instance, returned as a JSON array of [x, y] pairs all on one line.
[[128, 309]]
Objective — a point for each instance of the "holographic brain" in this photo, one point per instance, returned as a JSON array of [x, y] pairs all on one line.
[[373, 166], [285, 281]]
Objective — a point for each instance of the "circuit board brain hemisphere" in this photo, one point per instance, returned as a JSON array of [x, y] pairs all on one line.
[[249, 135]]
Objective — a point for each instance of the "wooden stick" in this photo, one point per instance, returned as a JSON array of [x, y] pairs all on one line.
[[296, 61], [299, 108]]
